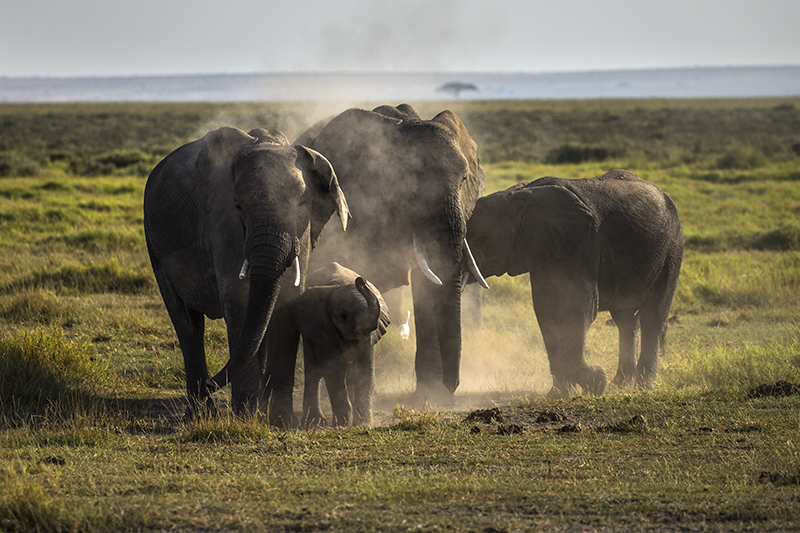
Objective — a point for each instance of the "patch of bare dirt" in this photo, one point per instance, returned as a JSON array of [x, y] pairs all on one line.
[[777, 389]]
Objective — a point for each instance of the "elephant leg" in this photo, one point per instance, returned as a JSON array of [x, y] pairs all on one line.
[[189, 327], [627, 323], [282, 340], [428, 359], [312, 414], [361, 383], [653, 320], [565, 309], [336, 382]]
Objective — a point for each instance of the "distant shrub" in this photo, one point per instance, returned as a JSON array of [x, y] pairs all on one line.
[[742, 156], [13, 164], [577, 153], [110, 163], [782, 239]]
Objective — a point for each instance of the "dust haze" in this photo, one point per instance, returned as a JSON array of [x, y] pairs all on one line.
[[420, 36]]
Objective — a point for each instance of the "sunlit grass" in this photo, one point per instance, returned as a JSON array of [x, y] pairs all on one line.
[[92, 384]]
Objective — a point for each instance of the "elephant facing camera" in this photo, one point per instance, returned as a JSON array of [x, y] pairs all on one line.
[[341, 317], [225, 217]]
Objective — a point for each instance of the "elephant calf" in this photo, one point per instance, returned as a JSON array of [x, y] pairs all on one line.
[[340, 316], [613, 242]]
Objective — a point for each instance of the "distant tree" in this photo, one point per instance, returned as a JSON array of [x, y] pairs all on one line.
[[455, 88]]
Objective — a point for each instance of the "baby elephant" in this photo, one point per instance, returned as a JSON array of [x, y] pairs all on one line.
[[341, 316], [613, 242]]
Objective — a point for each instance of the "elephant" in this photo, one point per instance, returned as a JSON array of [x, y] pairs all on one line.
[[224, 217], [340, 317], [613, 242], [412, 185]]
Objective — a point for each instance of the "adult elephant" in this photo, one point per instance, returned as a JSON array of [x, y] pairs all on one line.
[[412, 185], [212, 208], [612, 242], [340, 316]]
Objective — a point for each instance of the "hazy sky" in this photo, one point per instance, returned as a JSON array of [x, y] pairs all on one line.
[[141, 37]]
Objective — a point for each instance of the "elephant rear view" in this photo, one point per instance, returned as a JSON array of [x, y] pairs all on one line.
[[224, 217], [613, 242]]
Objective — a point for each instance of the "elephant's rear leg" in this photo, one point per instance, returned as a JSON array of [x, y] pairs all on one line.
[[190, 327], [653, 323], [627, 323]]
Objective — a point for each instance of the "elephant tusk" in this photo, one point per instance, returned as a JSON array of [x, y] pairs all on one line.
[[243, 271], [296, 268], [423, 263], [473, 267]]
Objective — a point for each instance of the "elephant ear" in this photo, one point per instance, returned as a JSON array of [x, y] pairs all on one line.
[[327, 197], [311, 316], [475, 180], [554, 223]]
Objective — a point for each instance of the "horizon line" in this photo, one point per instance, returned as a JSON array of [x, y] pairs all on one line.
[[398, 72]]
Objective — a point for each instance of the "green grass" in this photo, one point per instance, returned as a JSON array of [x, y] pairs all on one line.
[[91, 377]]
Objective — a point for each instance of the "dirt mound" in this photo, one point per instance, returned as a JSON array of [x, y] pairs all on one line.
[[777, 389], [486, 416]]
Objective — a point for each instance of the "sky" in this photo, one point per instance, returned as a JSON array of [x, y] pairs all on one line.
[[162, 37]]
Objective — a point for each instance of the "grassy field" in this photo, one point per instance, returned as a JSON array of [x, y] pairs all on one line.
[[91, 379]]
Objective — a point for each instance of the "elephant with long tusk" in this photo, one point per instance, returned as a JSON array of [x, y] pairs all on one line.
[[224, 217], [412, 184]]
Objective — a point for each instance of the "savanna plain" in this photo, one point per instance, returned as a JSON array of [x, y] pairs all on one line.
[[91, 377]]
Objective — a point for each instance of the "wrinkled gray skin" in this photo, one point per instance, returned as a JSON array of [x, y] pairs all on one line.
[[612, 242], [213, 203], [406, 176], [340, 316]]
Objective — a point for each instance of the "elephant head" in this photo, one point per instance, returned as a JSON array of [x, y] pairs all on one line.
[[225, 216], [521, 228], [413, 184]]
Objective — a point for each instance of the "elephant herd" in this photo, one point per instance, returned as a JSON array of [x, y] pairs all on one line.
[[231, 220]]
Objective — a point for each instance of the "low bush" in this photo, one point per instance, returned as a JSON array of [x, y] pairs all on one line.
[[43, 371], [13, 164], [573, 154]]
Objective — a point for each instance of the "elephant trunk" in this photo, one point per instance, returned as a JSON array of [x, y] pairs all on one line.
[[270, 251], [443, 238], [373, 313]]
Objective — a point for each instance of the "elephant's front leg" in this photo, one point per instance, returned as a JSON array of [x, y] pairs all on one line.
[[335, 381], [565, 309], [283, 339], [361, 383], [312, 414]]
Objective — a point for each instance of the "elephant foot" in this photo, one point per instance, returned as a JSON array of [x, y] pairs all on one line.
[[562, 390], [212, 386], [433, 394], [200, 409], [597, 380], [646, 382], [313, 418]]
